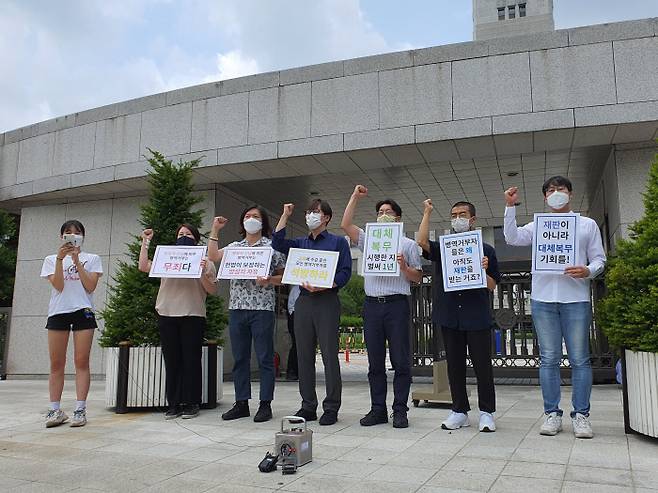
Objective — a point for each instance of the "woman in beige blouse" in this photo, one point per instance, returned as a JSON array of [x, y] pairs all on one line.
[[181, 307]]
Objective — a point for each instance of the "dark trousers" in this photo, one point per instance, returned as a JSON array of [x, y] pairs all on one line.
[[317, 317], [291, 367], [181, 339], [382, 323], [478, 343], [245, 325]]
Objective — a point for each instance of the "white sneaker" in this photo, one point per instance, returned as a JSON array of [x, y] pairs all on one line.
[[487, 423], [79, 418], [552, 424], [455, 421], [55, 418], [582, 428]]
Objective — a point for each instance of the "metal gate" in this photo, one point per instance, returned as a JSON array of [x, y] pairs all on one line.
[[514, 345]]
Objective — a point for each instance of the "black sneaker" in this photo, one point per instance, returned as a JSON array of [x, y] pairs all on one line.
[[264, 412], [190, 411], [292, 377], [400, 419], [307, 415], [374, 418], [328, 418], [239, 410], [173, 412]]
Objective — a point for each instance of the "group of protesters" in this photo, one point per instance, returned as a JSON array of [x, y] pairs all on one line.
[[560, 305]]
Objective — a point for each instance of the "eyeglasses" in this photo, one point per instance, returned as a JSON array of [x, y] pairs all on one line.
[[386, 213], [557, 189]]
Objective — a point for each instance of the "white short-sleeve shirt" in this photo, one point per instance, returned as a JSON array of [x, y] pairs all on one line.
[[74, 296]]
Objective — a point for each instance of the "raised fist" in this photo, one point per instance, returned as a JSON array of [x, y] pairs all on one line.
[[427, 203], [512, 196], [147, 234], [287, 209], [219, 222], [360, 191]]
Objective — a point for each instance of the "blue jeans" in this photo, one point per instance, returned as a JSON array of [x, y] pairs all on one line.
[[245, 325], [571, 322]]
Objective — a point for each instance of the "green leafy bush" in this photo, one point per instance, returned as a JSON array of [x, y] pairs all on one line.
[[629, 312], [130, 311]]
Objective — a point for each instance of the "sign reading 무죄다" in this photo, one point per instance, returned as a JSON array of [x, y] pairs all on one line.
[[177, 261]]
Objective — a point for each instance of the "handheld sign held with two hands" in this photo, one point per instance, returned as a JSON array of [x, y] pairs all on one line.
[[245, 263], [177, 261], [316, 267]]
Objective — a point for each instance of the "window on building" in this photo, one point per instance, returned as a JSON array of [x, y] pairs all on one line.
[[522, 10], [501, 13], [511, 11]]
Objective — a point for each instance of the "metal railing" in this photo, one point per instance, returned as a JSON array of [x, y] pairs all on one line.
[[514, 345], [5, 318]]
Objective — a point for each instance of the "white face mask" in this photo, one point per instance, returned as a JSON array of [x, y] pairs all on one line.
[[385, 218], [460, 224], [313, 220], [252, 225], [557, 200]]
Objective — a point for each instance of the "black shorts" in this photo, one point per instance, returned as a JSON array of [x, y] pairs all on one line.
[[78, 320]]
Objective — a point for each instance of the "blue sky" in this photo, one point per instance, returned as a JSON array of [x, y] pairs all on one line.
[[60, 57]]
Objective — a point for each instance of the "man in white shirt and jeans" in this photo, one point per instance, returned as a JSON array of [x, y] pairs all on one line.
[[561, 309]]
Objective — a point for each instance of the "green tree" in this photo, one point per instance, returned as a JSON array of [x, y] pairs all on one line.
[[352, 297], [8, 245], [629, 312], [130, 311]]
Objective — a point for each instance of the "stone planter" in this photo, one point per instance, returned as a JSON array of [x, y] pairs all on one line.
[[640, 382], [135, 377]]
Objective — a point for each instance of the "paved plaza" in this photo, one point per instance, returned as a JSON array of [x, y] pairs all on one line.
[[142, 452]]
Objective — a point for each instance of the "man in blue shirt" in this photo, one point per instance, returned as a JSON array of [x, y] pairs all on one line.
[[317, 311], [465, 320]]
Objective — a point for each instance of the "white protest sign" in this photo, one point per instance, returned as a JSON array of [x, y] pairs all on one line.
[[461, 257], [245, 263], [380, 249], [316, 267], [555, 242], [177, 261]]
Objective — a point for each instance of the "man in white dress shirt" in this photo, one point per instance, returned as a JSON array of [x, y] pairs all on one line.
[[561, 309], [386, 315]]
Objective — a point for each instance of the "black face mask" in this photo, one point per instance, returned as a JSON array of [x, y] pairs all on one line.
[[185, 241]]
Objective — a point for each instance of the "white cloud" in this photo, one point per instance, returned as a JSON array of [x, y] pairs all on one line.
[[231, 65], [63, 57]]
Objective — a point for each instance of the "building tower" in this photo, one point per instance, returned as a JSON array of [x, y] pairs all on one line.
[[502, 18]]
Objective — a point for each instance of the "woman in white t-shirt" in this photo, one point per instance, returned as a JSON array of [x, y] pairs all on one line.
[[74, 276], [181, 308]]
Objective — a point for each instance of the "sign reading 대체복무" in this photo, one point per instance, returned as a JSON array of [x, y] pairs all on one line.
[[380, 249]]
